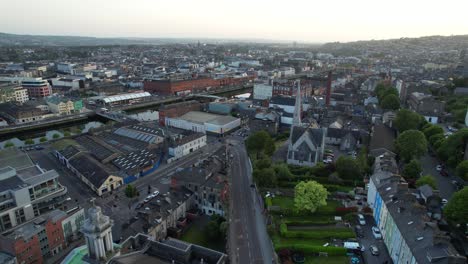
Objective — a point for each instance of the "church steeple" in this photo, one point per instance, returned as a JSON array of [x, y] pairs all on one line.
[[297, 105]]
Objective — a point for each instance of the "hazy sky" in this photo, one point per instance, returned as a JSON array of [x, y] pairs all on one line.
[[301, 20]]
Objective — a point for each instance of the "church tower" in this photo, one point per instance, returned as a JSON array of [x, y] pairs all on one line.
[[97, 230]]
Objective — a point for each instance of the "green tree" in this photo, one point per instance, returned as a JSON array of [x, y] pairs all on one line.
[[427, 179], [433, 130], [411, 144], [362, 161], [282, 171], [348, 168], [43, 139], [55, 136], [212, 230], [407, 120], [452, 149], [456, 210], [263, 164], [66, 134], [265, 177], [223, 228], [269, 146], [434, 138], [257, 141], [29, 141], [462, 170], [308, 196], [391, 102], [412, 170], [130, 191], [8, 144]]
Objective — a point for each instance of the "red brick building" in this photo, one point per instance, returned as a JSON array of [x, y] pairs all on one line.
[[37, 240], [177, 109], [37, 88], [194, 85]]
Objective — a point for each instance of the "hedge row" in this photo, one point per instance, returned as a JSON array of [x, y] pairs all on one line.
[[321, 180], [311, 249], [323, 233], [306, 222]]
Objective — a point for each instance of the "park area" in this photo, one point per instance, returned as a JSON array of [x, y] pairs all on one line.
[[319, 236]]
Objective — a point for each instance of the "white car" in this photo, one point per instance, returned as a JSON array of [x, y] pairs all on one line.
[[439, 167], [156, 193], [444, 201], [362, 220], [376, 233]]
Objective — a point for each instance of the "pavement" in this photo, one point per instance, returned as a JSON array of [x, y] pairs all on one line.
[[369, 240], [248, 239]]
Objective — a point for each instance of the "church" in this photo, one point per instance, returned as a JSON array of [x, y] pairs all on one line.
[[306, 141]]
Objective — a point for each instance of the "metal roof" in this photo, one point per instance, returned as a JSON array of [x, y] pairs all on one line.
[[122, 97]]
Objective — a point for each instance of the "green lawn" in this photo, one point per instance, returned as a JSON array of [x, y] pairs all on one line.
[[283, 202], [196, 235], [327, 260]]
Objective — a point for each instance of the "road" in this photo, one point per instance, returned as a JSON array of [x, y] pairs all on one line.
[[248, 239], [369, 240], [444, 184]]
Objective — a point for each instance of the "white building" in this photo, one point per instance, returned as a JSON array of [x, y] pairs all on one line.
[[204, 122], [70, 83], [186, 145], [262, 91], [65, 67]]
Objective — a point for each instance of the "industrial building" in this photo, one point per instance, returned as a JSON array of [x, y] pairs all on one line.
[[124, 99], [204, 122]]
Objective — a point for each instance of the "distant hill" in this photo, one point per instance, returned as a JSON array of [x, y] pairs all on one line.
[[7, 39]]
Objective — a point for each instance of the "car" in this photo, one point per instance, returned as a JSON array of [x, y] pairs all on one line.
[[362, 220], [374, 250], [376, 233], [327, 161], [444, 201], [156, 193], [38, 147], [359, 231], [444, 173], [439, 167], [146, 200]]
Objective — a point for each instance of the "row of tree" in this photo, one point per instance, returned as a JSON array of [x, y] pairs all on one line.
[[388, 96]]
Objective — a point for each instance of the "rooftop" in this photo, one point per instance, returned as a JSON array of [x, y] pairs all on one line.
[[202, 117]]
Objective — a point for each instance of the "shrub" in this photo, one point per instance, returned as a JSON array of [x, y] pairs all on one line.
[[29, 141], [324, 233], [283, 229], [43, 139], [55, 136], [8, 144], [345, 210]]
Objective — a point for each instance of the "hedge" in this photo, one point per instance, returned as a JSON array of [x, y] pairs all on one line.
[[309, 222], [311, 249], [340, 233]]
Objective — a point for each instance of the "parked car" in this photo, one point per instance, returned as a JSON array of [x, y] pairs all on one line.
[[439, 167], [156, 193], [359, 231], [444, 173], [362, 220], [376, 233], [374, 250], [39, 147]]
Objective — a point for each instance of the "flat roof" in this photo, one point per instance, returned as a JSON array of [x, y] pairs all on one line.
[[202, 117]]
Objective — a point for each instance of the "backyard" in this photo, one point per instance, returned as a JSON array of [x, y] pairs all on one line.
[[196, 234]]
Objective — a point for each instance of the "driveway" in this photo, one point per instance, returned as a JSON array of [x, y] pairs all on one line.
[[369, 240]]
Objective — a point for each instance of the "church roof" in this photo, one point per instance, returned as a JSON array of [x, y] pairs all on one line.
[[315, 134]]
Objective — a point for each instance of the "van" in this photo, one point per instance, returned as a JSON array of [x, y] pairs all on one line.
[[362, 220]]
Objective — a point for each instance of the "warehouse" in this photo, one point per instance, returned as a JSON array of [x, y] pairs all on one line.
[[204, 122]]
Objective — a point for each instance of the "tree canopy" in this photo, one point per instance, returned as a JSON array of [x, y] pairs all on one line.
[[260, 142], [462, 170], [411, 144], [309, 196], [391, 102], [412, 170], [406, 120], [451, 149], [348, 168], [427, 179], [456, 209], [265, 177]]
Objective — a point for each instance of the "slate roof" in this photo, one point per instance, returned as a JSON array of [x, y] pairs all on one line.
[[383, 137], [283, 100], [69, 151], [340, 133], [315, 134], [91, 169]]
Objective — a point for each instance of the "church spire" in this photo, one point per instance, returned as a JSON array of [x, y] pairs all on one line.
[[297, 105]]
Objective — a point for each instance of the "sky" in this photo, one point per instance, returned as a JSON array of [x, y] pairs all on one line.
[[291, 20]]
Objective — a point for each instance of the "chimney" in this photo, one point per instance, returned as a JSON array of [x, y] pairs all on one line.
[[403, 186]]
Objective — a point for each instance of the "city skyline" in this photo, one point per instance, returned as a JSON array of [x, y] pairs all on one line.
[[298, 21]]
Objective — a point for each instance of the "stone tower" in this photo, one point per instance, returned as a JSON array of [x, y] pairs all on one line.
[[97, 230]]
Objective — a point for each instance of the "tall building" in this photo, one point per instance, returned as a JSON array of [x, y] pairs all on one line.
[[26, 190], [37, 87], [13, 93]]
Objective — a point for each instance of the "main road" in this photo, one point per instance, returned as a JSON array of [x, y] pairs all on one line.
[[248, 239]]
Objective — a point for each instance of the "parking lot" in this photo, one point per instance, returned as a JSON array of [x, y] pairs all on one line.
[[369, 240]]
